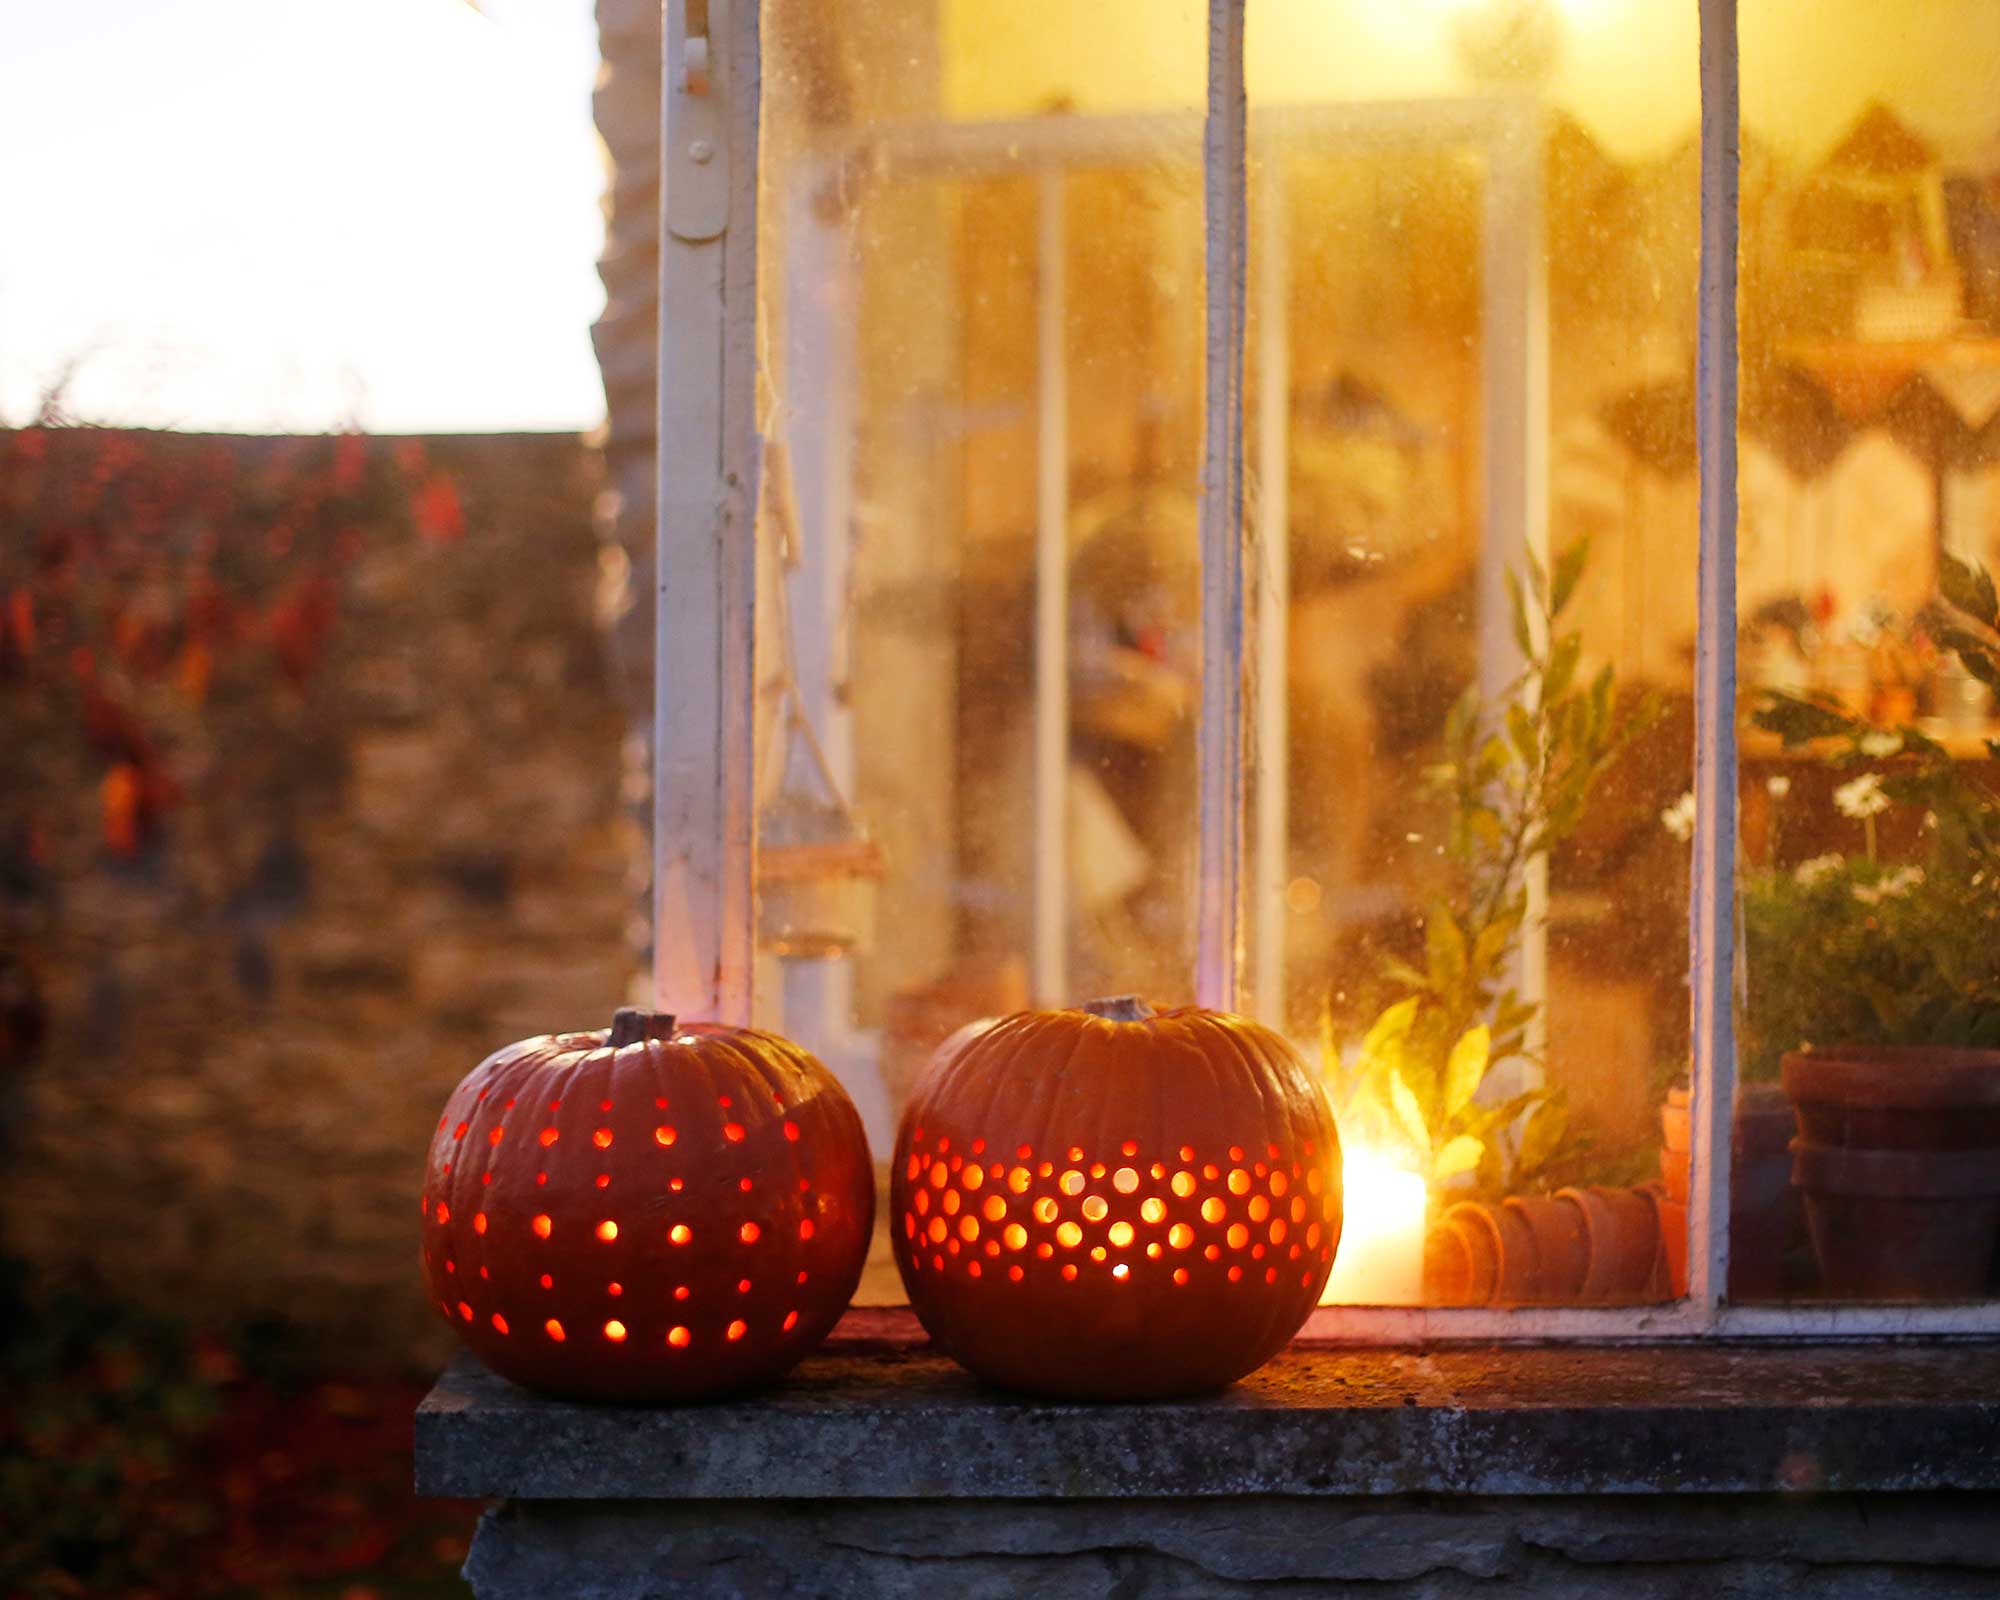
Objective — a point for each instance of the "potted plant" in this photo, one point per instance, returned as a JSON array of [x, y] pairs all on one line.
[[1874, 985], [1518, 773]]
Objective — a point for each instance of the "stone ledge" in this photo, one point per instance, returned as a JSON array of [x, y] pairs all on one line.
[[875, 1421]]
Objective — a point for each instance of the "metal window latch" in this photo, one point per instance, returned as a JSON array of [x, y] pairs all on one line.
[[695, 169]]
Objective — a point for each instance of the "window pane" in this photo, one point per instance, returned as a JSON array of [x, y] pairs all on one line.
[[1870, 462], [1474, 248], [981, 314]]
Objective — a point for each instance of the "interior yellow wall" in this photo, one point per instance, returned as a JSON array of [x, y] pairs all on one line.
[[1626, 70]]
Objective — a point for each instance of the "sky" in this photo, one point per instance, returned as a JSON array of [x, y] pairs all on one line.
[[299, 215]]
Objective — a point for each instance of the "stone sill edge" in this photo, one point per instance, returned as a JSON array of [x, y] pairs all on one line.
[[874, 1418]]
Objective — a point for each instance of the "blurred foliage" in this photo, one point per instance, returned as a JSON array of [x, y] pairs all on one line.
[[1519, 772], [1846, 949], [143, 1459]]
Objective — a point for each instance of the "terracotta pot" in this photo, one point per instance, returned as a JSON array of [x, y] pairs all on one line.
[[1901, 1224], [1579, 1247], [1899, 1161], [1763, 1207]]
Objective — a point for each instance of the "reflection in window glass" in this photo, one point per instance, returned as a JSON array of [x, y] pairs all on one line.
[[1870, 489]]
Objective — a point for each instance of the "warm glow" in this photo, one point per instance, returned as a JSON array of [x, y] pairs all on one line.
[[1380, 1261]]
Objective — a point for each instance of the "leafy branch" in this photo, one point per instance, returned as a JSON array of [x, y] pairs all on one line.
[[1520, 771]]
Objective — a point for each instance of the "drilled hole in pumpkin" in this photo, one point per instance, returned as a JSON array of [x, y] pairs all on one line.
[[733, 1132], [1239, 1181], [1183, 1184], [1298, 1208], [937, 1229], [1094, 1208], [1238, 1236], [485, 1178], [1015, 1236], [1069, 1272], [1069, 1236], [968, 1228], [681, 1291], [1260, 1208], [542, 1227], [479, 1222], [660, 1103], [1153, 1251], [1076, 1152], [484, 1273], [1120, 1234], [1121, 1271], [923, 1202], [451, 1266], [601, 1138], [607, 1230], [995, 1208], [951, 1245], [664, 1136], [1125, 1180], [1279, 1183], [742, 1285], [791, 1321], [1045, 1249], [940, 1174], [736, 1330], [494, 1137], [614, 1289], [1180, 1236], [1046, 1169], [805, 1227], [992, 1247], [1180, 1275], [459, 1131], [914, 1166], [972, 1177], [680, 1233], [724, 1101], [1153, 1209], [974, 1270], [1312, 1237], [604, 1180], [1071, 1182], [1045, 1209], [1278, 1230], [548, 1281], [614, 1330], [554, 1330], [1257, 1251], [1019, 1179], [499, 1323], [1015, 1274], [541, 1180], [548, 1136], [950, 1202], [749, 1233], [1097, 1169], [465, 1311], [1023, 1152], [679, 1338], [443, 1212], [676, 1184], [943, 1145], [802, 1277], [1313, 1179], [1236, 1152], [1270, 1274], [909, 1225], [1213, 1252], [1213, 1209]]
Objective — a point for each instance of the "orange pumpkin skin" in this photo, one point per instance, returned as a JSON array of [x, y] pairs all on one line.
[[1096, 1208], [669, 1211]]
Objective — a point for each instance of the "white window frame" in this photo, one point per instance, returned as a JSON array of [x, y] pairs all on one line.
[[704, 780]]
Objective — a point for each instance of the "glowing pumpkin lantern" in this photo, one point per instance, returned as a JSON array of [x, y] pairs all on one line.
[[1113, 1203], [665, 1212]]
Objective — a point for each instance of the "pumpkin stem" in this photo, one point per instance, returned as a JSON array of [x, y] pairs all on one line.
[[1119, 1008], [629, 1025]]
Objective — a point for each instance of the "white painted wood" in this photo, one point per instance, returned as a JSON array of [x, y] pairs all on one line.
[[1219, 738], [705, 635], [1712, 877], [1514, 380], [1270, 690], [1049, 961]]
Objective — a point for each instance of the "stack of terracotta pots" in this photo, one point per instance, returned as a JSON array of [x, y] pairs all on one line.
[[1595, 1246], [1898, 1157], [1763, 1206]]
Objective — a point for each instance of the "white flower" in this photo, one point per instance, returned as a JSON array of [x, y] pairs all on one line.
[[1777, 788], [1817, 870], [1678, 818], [1890, 886], [1863, 798], [1881, 743]]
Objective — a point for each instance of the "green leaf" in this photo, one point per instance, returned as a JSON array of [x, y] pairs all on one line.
[[1795, 720], [1521, 733], [1444, 948], [1538, 580], [1569, 568], [1563, 658], [1409, 1115], [1390, 1029], [1969, 588], [1397, 970], [1543, 1136], [1460, 1154], [1517, 609], [1465, 1068]]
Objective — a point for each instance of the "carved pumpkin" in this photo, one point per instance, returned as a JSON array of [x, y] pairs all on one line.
[[1115, 1204], [664, 1212]]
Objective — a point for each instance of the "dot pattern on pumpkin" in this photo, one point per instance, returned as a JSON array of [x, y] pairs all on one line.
[[724, 1246], [1111, 1258]]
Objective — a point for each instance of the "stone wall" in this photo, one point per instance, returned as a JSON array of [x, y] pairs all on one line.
[[375, 831]]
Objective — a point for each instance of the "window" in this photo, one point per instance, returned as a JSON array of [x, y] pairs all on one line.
[[1102, 454]]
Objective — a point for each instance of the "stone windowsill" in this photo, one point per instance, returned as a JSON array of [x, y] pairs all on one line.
[[885, 1417]]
